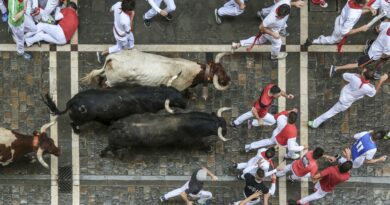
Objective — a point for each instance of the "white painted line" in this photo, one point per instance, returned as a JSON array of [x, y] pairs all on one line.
[[304, 112], [54, 128], [282, 151], [304, 23]]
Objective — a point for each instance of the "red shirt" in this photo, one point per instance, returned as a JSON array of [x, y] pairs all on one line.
[[69, 23], [305, 165], [331, 177], [288, 131], [264, 102]]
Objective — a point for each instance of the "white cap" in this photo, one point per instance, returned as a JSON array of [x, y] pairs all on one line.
[[201, 175]]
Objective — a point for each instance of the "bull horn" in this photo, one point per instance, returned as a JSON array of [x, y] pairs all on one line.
[[219, 56], [220, 135], [167, 108], [40, 159], [221, 110], [170, 81], [47, 125], [217, 85]]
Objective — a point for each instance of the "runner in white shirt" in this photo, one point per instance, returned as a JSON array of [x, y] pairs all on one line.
[[262, 160], [358, 86], [378, 51], [382, 5], [123, 20], [344, 24], [364, 148], [269, 30], [155, 4], [230, 8]]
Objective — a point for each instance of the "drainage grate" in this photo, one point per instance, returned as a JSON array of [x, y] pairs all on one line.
[[65, 179]]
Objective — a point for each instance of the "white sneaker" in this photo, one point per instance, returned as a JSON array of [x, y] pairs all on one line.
[[235, 46], [218, 19], [247, 148], [281, 55], [324, 5], [293, 156]]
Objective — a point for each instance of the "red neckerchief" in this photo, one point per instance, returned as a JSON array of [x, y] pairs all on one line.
[[370, 3], [388, 32], [20, 1], [353, 5], [266, 158], [254, 42], [364, 81]]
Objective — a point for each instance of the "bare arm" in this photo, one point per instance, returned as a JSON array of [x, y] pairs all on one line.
[[242, 5], [257, 194], [269, 31], [373, 161], [288, 96], [254, 112], [380, 82], [213, 177], [357, 30], [185, 198]]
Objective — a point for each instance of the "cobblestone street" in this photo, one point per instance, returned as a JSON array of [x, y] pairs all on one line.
[[81, 176]]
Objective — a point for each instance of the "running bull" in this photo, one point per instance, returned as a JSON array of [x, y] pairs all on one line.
[[154, 130], [14, 146], [110, 104], [136, 67]]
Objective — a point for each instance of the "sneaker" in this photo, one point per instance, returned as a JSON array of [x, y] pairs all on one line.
[[261, 15], [290, 179], [377, 74], [4, 17], [239, 177], [147, 23], [235, 46], [332, 71], [367, 46], [218, 19], [99, 56], [324, 4], [234, 165], [311, 124], [308, 43], [284, 32], [162, 198], [247, 148], [25, 55], [387, 136], [169, 17], [293, 156], [232, 123], [281, 55], [250, 124]]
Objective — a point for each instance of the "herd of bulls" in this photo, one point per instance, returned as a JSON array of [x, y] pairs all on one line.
[[137, 86]]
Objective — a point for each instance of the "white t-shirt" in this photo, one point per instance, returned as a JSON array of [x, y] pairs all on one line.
[[253, 165], [383, 6], [121, 22], [354, 90], [348, 18], [382, 43], [369, 155], [272, 22]]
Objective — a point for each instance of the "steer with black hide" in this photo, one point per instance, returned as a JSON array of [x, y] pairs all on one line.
[[155, 130], [14, 146], [136, 67], [110, 104]]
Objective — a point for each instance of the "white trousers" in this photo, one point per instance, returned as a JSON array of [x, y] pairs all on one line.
[[257, 201], [268, 142], [170, 8], [338, 107], [2, 7], [18, 33], [123, 43], [202, 196], [276, 43], [230, 8], [29, 24], [314, 196], [49, 33], [334, 38], [288, 169], [268, 119]]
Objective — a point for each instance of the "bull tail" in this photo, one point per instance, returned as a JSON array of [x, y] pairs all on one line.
[[48, 100], [94, 74]]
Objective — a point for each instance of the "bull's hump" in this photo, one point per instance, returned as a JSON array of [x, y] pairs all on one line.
[[6, 137]]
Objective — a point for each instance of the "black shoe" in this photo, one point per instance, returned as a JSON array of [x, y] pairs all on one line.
[[232, 123], [169, 17], [234, 165], [367, 46], [147, 23], [162, 198], [377, 74], [239, 177], [332, 71], [307, 43]]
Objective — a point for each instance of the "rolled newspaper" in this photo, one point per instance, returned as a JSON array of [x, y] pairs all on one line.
[[377, 18]]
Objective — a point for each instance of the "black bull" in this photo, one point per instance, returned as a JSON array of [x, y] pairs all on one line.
[[110, 104], [155, 130]]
